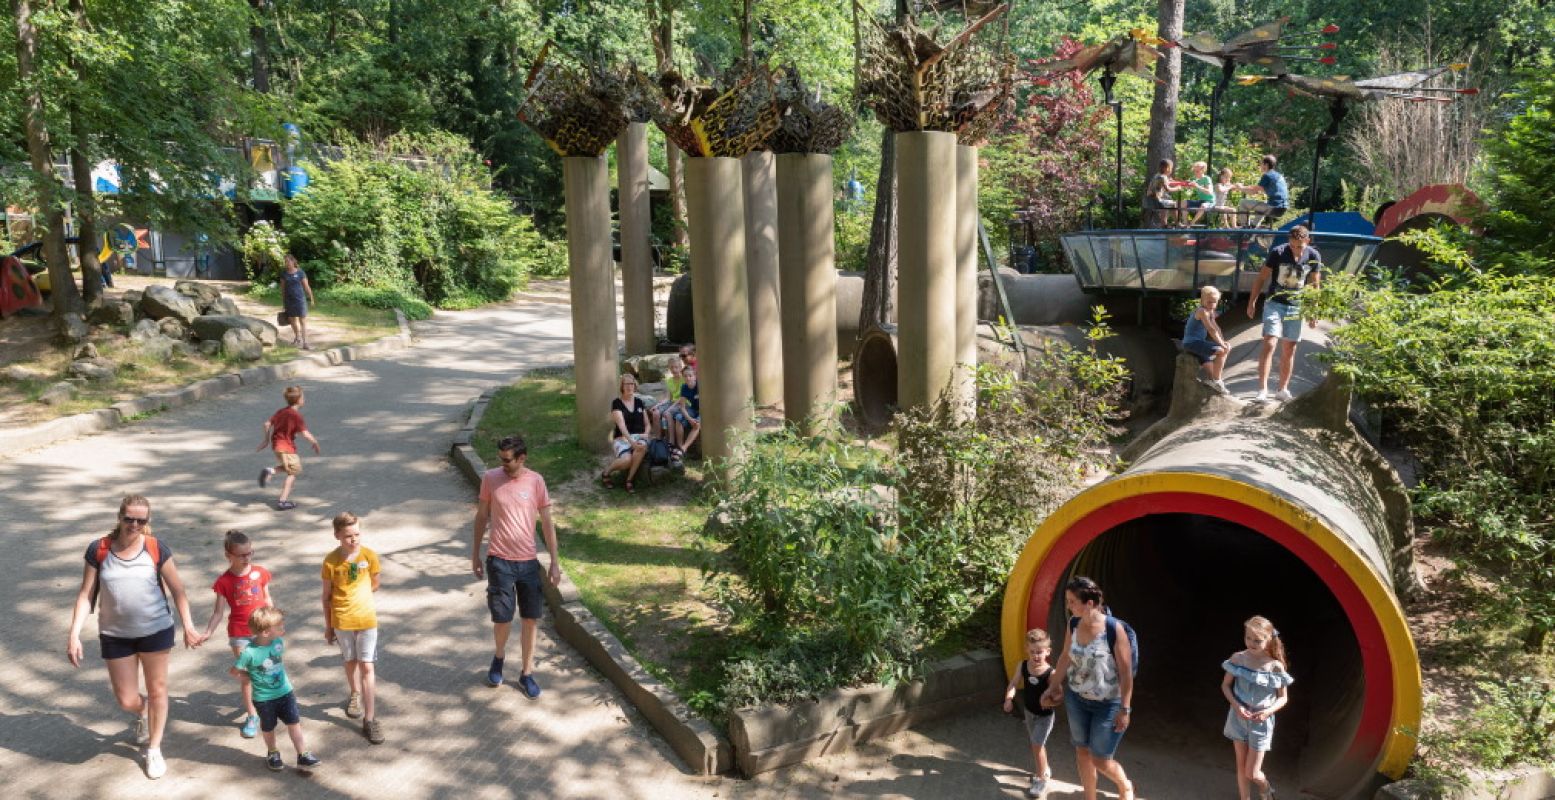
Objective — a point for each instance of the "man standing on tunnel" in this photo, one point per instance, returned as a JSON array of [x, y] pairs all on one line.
[[1290, 268]]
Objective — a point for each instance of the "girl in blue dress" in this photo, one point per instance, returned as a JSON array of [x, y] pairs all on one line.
[[1255, 686]]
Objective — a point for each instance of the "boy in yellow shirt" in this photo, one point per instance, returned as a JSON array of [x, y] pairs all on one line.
[[350, 578]]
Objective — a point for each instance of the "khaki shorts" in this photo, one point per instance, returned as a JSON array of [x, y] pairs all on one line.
[[289, 463]]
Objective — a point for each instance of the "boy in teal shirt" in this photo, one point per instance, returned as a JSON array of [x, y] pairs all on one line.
[[273, 695]]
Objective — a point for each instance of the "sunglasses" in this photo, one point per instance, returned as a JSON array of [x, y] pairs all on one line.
[[351, 572], [134, 520]]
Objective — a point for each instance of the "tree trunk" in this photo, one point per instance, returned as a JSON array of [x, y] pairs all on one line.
[[661, 26], [66, 297], [81, 174], [260, 58], [1168, 74], [879, 301]]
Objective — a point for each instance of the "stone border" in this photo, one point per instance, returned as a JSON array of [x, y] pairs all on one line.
[[1519, 783], [128, 411], [771, 737], [698, 743]]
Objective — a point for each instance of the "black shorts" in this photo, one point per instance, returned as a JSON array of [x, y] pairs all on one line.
[[507, 581], [120, 647], [283, 708]]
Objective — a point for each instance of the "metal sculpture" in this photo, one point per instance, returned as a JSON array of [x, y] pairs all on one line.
[[578, 109], [728, 119], [914, 83], [1341, 91], [806, 123]]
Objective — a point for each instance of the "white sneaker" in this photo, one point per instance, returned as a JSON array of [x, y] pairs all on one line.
[[155, 766], [1220, 388], [1284, 396], [142, 724], [1038, 786], [1262, 396]]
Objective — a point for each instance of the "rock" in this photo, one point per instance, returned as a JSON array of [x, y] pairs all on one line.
[[650, 369], [189, 349], [173, 329], [87, 350], [117, 314], [72, 329], [215, 326], [161, 302], [61, 392], [240, 344], [210, 347], [204, 295], [16, 373], [225, 306], [132, 296], [155, 345], [95, 369], [146, 327]]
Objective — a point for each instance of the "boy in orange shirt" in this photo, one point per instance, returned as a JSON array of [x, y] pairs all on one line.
[[281, 432], [350, 578]]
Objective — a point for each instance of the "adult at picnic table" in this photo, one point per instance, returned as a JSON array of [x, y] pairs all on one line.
[[131, 573], [1276, 197]]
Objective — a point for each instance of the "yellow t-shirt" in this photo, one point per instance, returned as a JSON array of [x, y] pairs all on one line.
[[351, 589]]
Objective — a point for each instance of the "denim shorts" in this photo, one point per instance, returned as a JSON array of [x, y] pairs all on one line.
[[510, 582], [1202, 349], [1282, 320], [1091, 723], [239, 642], [1258, 736], [122, 647], [283, 708]]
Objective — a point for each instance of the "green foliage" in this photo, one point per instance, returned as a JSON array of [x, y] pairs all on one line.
[[386, 297], [263, 249], [1512, 722], [1522, 158], [844, 565], [1463, 376], [416, 216]]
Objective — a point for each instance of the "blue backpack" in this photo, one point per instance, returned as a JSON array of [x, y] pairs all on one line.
[[1112, 637]]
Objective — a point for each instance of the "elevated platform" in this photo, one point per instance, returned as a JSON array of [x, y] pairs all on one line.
[[1179, 261]]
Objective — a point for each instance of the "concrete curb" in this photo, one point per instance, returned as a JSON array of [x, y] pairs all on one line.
[[697, 743], [1521, 783], [771, 737], [125, 412]]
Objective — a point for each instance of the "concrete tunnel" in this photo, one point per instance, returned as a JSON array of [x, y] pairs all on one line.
[[1227, 511]]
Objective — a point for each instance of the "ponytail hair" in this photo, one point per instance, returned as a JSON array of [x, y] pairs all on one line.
[[234, 538], [1275, 649], [130, 501]]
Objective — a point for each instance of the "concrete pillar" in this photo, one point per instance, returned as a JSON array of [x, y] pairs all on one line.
[[636, 255], [715, 215], [761, 270], [808, 277], [966, 281], [594, 355], [926, 277]]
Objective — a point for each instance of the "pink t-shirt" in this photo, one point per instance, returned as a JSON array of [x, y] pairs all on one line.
[[514, 504]]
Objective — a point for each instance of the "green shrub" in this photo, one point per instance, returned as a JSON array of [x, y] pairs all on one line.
[[263, 249], [1513, 722], [380, 297]]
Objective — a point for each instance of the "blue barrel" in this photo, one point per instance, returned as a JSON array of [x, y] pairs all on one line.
[[296, 181]]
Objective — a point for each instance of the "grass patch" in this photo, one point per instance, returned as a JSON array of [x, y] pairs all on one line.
[[636, 558]]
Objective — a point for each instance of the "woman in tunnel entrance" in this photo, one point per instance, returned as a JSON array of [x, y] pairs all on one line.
[[1095, 677], [1255, 686]]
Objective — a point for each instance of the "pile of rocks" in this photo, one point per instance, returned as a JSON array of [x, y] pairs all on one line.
[[189, 317]]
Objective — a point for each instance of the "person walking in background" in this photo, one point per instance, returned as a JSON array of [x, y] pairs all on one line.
[[296, 295], [133, 574], [244, 587], [512, 498], [350, 576], [1095, 678], [1255, 685], [261, 661], [1290, 268], [1031, 681], [281, 432]]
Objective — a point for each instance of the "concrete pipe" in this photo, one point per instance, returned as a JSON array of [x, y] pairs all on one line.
[[1044, 300], [759, 173], [808, 278], [1145, 351], [636, 251], [850, 301], [715, 214], [963, 378], [592, 281], [926, 275], [1227, 512]]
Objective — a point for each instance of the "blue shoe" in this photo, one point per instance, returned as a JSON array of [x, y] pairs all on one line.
[[494, 675], [527, 683], [250, 727], [273, 761]]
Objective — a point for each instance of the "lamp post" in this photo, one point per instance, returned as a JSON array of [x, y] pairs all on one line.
[[1108, 80]]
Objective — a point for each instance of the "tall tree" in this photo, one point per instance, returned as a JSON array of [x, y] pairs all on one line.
[[81, 173], [878, 305], [661, 27], [1168, 76], [66, 297], [259, 52]]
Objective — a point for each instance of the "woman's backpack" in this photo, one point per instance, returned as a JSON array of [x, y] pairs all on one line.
[[658, 453], [1112, 625]]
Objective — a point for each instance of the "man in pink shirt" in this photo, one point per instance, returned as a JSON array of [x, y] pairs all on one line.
[[511, 498]]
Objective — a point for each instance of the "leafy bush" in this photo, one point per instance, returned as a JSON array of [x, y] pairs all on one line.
[[845, 565], [381, 297], [263, 249], [1512, 723], [416, 216]]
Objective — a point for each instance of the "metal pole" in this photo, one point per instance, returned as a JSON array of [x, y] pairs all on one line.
[[1108, 80], [1226, 71], [1336, 114]]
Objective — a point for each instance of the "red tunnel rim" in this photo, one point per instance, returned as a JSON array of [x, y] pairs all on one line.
[[1377, 708]]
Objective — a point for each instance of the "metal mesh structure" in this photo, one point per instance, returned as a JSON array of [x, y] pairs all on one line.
[[913, 83], [807, 124], [729, 120], [578, 110]]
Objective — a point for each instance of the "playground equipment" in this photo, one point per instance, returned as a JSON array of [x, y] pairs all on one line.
[[1221, 515]]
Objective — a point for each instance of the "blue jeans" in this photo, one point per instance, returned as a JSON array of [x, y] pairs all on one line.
[[1091, 723]]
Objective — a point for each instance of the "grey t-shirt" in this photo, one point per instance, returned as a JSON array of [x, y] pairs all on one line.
[[131, 602]]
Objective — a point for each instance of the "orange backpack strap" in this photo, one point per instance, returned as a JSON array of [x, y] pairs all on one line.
[[106, 543]]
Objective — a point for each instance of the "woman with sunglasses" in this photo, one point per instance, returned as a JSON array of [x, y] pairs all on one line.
[[132, 573], [629, 433]]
